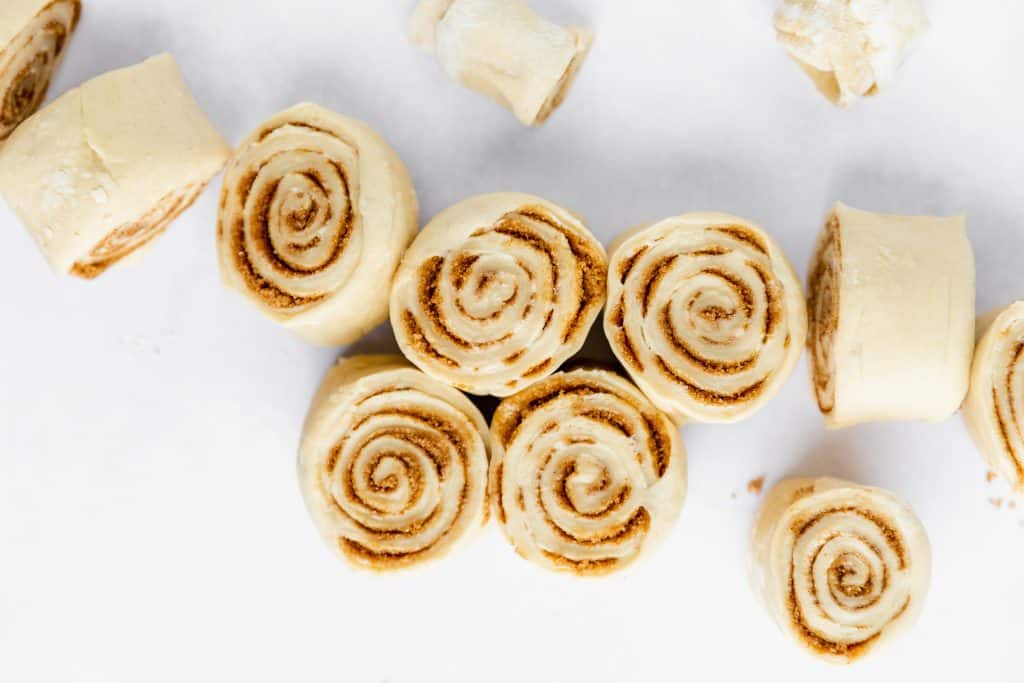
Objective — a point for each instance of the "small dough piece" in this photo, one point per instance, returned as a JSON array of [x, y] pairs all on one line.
[[850, 48], [706, 314], [497, 291], [994, 409], [587, 476], [840, 567], [393, 464], [33, 36], [105, 168], [502, 49], [891, 316], [315, 214]]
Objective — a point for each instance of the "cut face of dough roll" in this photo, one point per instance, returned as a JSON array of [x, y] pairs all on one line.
[[706, 314], [497, 291], [850, 48], [891, 317], [840, 567], [33, 35], [105, 168], [502, 49], [393, 464], [586, 475], [994, 409], [315, 213]]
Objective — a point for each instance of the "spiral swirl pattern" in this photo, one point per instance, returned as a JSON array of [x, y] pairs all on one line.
[[586, 475], [28, 60], [393, 465], [497, 292], [706, 314], [841, 567], [823, 302], [315, 213], [994, 409]]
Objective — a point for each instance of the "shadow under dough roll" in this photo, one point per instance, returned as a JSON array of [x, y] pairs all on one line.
[[891, 317], [315, 213], [497, 291], [706, 314], [392, 464]]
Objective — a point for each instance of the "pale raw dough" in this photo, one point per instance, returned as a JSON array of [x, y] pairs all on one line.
[[502, 49], [33, 37], [841, 568], [891, 317], [393, 464], [994, 409], [315, 214], [587, 476], [850, 48], [706, 314], [497, 291], [105, 168]]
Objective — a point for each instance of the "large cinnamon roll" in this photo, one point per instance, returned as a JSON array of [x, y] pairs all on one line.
[[502, 49], [994, 409], [706, 314], [393, 464], [315, 213], [33, 36], [586, 474], [497, 291], [104, 169], [840, 567], [891, 317], [850, 48]]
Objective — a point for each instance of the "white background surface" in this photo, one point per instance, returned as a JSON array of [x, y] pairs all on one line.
[[151, 527]]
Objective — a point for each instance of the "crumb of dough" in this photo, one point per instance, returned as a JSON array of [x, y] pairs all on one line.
[[755, 486], [997, 503], [990, 476], [1012, 504]]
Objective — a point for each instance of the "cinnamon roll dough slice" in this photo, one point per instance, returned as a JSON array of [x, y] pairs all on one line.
[[850, 48], [502, 49], [994, 409], [104, 169], [587, 476], [841, 568], [891, 317], [393, 464], [33, 37], [706, 314], [497, 291], [315, 213]]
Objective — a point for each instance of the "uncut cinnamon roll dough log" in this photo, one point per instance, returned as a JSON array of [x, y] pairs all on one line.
[[33, 37], [105, 168], [850, 48], [315, 214], [841, 568], [994, 409], [502, 49], [891, 316], [393, 464], [706, 314], [587, 476], [497, 291]]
